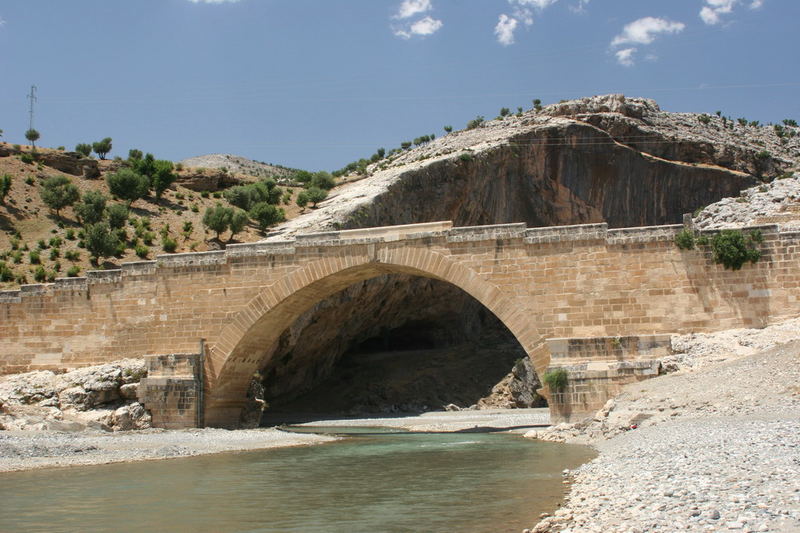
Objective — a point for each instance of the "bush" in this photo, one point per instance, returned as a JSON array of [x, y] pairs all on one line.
[[704, 119], [5, 187], [169, 245], [55, 253], [59, 192], [142, 251], [34, 257], [56, 242], [117, 215], [556, 379], [101, 241], [321, 180], [72, 255], [685, 239], [267, 214], [537, 105], [6, 274], [84, 149], [448, 128], [135, 155], [466, 157], [91, 208], [733, 249], [73, 271], [40, 274], [475, 122], [128, 185]]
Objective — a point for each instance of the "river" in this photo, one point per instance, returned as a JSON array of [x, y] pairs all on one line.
[[371, 481]]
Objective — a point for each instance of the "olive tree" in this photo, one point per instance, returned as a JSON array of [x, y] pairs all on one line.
[[59, 192]]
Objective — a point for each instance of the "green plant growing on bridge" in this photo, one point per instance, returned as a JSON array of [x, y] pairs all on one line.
[[685, 239], [556, 379], [733, 249]]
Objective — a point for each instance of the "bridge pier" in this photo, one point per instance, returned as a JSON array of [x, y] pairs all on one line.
[[598, 368]]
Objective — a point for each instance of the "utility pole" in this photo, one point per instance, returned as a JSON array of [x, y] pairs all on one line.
[[32, 98]]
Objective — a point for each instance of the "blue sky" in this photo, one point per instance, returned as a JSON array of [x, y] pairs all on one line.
[[317, 83]]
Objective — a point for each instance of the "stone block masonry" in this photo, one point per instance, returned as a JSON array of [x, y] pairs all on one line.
[[171, 391], [542, 283]]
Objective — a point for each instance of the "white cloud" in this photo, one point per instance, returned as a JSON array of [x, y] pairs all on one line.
[[645, 30], [713, 10], [625, 56], [409, 8], [539, 4], [423, 27], [505, 29]]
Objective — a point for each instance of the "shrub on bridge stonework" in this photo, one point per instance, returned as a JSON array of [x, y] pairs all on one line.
[[556, 379], [685, 239], [733, 249]]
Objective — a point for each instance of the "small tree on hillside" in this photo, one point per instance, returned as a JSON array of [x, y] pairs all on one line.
[[117, 215], [91, 208], [267, 214], [101, 148], [32, 135], [134, 154], [217, 218], [162, 176], [316, 195], [322, 180], [5, 187], [100, 240], [84, 149], [128, 185], [59, 192], [238, 221], [537, 105], [448, 129]]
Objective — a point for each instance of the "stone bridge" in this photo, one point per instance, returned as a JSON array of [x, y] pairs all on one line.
[[597, 302]]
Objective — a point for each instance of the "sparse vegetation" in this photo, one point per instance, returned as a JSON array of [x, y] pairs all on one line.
[[5, 187], [556, 379], [685, 239]]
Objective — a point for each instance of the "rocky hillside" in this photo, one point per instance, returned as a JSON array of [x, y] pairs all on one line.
[[607, 158], [236, 164]]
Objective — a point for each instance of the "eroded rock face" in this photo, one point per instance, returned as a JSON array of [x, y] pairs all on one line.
[[99, 397]]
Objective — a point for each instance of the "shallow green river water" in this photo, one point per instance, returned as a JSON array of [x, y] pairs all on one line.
[[370, 482]]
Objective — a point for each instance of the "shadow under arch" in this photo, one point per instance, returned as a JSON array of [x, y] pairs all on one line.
[[252, 334]]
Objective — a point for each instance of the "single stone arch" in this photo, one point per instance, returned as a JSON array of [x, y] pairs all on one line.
[[254, 331]]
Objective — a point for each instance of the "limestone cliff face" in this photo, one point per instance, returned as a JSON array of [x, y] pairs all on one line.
[[603, 159], [565, 174]]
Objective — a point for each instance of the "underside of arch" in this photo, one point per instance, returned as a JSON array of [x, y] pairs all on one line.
[[256, 329]]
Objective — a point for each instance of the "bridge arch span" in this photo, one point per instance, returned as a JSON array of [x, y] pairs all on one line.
[[247, 341]]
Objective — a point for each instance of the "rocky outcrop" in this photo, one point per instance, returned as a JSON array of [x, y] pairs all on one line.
[[777, 202], [517, 390], [100, 397], [70, 162], [205, 179]]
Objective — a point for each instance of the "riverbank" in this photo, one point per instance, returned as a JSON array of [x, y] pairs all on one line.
[[27, 450], [710, 449], [519, 420]]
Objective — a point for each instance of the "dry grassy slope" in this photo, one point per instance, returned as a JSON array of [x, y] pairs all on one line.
[[25, 212]]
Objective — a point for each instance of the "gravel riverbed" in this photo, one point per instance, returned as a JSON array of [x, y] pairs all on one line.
[[25, 450], [713, 449]]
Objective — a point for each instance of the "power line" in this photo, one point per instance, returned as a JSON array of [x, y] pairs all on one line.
[[32, 97]]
